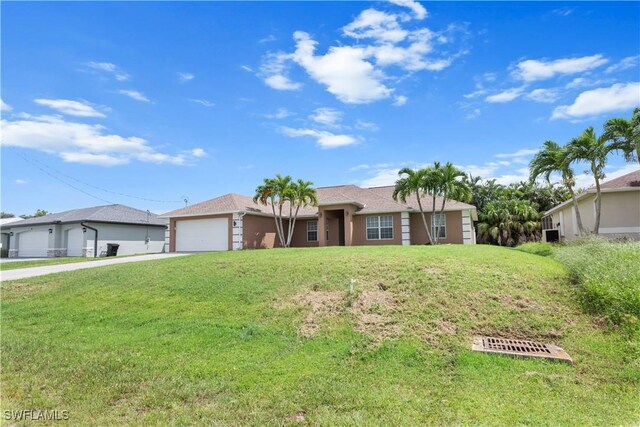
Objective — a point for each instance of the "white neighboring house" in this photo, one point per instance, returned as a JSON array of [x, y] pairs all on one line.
[[87, 232], [620, 216], [4, 234]]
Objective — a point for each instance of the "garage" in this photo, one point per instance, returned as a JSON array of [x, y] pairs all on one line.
[[75, 240], [33, 244], [202, 235]]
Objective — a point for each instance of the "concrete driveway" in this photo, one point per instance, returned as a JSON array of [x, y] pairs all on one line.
[[24, 273]]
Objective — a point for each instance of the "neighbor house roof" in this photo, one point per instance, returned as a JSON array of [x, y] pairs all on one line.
[[368, 200], [111, 213], [4, 222], [628, 182]]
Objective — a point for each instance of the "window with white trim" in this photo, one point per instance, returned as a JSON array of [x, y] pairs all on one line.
[[439, 220], [380, 227], [312, 231]]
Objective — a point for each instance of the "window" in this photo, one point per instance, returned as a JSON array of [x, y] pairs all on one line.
[[380, 227], [312, 231], [441, 221]]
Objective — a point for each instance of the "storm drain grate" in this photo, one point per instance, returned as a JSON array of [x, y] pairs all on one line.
[[520, 348]]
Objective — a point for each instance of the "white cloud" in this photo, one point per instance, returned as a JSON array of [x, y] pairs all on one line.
[[267, 39], [521, 174], [198, 152], [343, 69], [326, 116], [618, 97], [82, 143], [418, 10], [185, 77], [543, 95], [400, 100], [20, 181], [71, 108], [109, 68], [246, 167], [247, 68], [381, 178], [361, 73], [520, 153], [4, 107], [363, 125], [563, 11], [324, 139], [624, 64], [473, 114], [374, 24], [507, 95], [134, 94], [274, 71], [281, 113], [533, 69], [203, 102]]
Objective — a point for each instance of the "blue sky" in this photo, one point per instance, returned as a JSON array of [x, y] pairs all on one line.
[[169, 100]]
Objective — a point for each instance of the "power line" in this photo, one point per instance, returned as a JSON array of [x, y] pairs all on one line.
[[36, 163]]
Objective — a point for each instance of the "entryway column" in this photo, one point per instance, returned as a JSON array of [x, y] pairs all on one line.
[[406, 231]]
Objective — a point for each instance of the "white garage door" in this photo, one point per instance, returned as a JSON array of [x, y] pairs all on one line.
[[199, 235], [75, 240], [33, 244]]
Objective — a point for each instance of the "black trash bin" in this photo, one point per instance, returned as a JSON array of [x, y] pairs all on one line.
[[112, 249]]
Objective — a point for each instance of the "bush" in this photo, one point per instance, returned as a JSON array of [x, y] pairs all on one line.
[[608, 277]]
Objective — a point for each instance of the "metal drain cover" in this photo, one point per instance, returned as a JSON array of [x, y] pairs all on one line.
[[520, 348]]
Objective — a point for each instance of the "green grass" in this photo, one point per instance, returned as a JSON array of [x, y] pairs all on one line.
[[52, 261], [41, 262], [606, 275], [223, 339]]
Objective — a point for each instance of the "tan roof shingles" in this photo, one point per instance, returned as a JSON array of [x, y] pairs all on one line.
[[376, 199], [629, 180]]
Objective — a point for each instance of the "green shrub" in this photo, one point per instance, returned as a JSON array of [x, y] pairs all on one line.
[[608, 277]]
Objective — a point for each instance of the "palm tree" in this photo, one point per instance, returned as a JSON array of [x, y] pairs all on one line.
[[552, 158], [450, 184], [301, 193], [508, 221], [592, 149], [267, 194], [412, 183], [625, 135]]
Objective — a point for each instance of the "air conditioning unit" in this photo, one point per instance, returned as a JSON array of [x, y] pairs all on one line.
[[551, 235]]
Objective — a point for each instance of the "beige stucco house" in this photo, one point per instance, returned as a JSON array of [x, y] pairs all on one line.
[[620, 216], [346, 215]]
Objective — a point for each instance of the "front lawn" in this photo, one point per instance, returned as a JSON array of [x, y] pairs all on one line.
[[274, 337]]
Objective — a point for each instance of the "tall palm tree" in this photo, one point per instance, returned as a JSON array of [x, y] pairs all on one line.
[[413, 182], [450, 184], [301, 194], [552, 158], [274, 191], [590, 148], [625, 135]]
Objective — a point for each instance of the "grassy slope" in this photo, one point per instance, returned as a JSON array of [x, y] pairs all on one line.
[[40, 262], [215, 339]]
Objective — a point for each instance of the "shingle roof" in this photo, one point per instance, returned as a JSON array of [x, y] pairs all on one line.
[[376, 199], [110, 213], [625, 181]]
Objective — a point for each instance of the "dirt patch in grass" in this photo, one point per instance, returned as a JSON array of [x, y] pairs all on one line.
[[373, 313], [321, 304], [519, 304], [371, 310], [435, 273]]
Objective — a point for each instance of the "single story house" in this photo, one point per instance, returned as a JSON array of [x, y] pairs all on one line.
[[87, 232], [620, 215], [346, 215], [4, 234]]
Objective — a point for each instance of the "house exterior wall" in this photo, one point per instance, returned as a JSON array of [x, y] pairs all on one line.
[[131, 238], [172, 228], [360, 230], [620, 216], [453, 221], [299, 239], [259, 232]]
